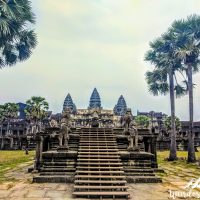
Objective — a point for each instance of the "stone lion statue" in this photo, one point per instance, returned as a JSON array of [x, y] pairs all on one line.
[[126, 120], [53, 124]]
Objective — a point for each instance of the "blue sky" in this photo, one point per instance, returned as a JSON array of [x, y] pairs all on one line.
[[96, 43]]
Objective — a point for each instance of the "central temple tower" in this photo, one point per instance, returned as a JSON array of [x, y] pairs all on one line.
[[95, 100]]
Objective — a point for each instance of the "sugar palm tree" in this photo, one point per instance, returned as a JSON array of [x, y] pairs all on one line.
[[17, 40], [161, 79], [36, 109], [187, 36], [167, 123]]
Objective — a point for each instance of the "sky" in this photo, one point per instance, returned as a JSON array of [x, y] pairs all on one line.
[[84, 44]]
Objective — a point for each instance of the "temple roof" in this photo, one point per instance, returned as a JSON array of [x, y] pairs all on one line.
[[95, 100], [120, 108], [68, 103]]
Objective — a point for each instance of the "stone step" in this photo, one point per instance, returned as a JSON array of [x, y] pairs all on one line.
[[143, 179], [99, 164], [98, 168], [96, 129], [53, 179], [97, 141], [97, 132], [100, 182], [98, 153], [137, 164], [98, 156], [98, 144], [88, 130], [98, 172], [58, 164], [103, 140], [98, 160], [139, 167], [113, 195], [94, 146], [98, 187], [97, 136], [139, 174], [58, 169], [56, 173], [54, 160], [139, 170], [98, 149], [90, 177], [107, 142]]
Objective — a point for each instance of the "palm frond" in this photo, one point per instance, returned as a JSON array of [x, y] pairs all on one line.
[[17, 39], [180, 90]]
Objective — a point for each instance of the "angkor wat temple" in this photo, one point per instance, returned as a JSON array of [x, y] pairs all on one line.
[[97, 149], [18, 133]]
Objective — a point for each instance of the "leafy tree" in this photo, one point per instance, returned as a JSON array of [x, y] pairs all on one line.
[[36, 108], [142, 120], [17, 40], [10, 112]]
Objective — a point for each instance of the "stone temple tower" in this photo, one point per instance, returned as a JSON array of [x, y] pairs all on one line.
[[120, 108], [95, 100], [68, 103]]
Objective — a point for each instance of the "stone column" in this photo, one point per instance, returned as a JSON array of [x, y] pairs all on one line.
[[154, 152], [11, 142], [18, 140], [39, 149], [19, 143]]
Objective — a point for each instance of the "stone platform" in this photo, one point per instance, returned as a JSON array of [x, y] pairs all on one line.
[[60, 165], [57, 167]]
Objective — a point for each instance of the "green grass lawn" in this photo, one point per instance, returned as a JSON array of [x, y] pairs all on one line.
[[178, 164], [180, 154], [11, 159]]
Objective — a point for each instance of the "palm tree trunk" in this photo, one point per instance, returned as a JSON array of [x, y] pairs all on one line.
[[172, 155], [191, 150]]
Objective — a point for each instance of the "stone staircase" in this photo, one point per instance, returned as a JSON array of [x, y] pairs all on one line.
[[99, 171]]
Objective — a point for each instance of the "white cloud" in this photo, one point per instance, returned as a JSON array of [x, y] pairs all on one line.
[[98, 43]]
